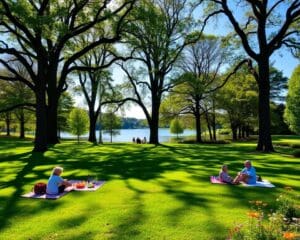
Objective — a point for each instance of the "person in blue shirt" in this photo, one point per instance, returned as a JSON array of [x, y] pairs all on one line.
[[247, 175], [56, 184]]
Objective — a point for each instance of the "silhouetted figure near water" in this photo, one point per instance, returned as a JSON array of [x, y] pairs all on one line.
[[133, 139], [138, 140]]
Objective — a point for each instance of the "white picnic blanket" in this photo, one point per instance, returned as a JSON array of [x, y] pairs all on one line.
[[263, 183]]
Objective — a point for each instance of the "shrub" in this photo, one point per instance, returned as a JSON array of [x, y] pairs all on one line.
[[275, 225]]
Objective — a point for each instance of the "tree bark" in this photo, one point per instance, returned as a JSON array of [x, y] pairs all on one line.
[[208, 126], [154, 123], [22, 124], [198, 123], [7, 122], [40, 143], [52, 125], [264, 139], [92, 128], [234, 131]]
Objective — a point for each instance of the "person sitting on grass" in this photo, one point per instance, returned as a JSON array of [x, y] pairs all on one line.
[[247, 175], [223, 175], [56, 184]]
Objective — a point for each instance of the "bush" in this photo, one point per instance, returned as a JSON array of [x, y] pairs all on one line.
[[224, 131]]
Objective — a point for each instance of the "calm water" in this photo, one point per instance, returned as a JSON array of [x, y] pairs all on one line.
[[126, 135]]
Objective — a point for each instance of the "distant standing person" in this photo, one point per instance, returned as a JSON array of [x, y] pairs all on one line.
[[145, 140], [133, 139], [138, 140], [56, 184], [247, 175]]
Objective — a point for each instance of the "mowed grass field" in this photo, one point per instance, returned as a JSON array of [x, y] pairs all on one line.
[[151, 192]]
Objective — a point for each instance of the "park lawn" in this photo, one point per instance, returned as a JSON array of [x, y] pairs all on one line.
[[151, 192]]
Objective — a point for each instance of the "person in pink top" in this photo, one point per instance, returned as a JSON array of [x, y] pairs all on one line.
[[223, 175]]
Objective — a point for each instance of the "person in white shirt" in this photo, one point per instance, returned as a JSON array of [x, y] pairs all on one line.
[[56, 184]]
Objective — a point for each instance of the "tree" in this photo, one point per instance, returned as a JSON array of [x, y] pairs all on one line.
[[239, 99], [278, 85], [110, 123], [42, 32], [18, 100], [201, 65], [157, 32], [78, 122], [292, 110], [176, 127], [267, 26], [65, 106], [96, 84]]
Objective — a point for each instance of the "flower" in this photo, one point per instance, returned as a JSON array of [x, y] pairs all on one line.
[[289, 235], [288, 188], [254, 214]]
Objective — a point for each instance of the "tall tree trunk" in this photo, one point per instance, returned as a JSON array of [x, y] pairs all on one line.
[[40, 143], [7, 123], [100, 127], [264, 135], [154, 123], [208, 125], [92, 128], [214, 121], [22, 124], [198, 123], [240, 131], [234, 131], [53, 94], [247, 131], [52, 125]]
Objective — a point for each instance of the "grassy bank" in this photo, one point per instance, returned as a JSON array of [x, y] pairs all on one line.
[[151, 192]]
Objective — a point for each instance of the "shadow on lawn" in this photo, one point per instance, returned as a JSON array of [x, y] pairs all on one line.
[[26, 163], [144, 162]]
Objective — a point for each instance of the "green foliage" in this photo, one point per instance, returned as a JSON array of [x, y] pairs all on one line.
[[65, 106], [78, 122], [239, 99], [292, 111], [176, 127], [111, 123]]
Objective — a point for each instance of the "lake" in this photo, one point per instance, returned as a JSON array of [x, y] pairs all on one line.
[[126, 135]]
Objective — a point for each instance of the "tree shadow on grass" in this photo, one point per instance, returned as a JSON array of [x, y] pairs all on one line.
[[144, 163], [10, 205]]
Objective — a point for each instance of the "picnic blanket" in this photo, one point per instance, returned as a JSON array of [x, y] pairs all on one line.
[[48, 196], [97, 185], [263, 183]]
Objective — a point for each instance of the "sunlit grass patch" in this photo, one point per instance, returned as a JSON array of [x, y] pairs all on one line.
[[151, 191]]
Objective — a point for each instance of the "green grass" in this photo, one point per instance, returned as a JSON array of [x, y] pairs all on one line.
[[151, 192]]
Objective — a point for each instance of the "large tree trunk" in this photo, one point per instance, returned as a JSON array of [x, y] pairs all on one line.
[[154, 123], [40, 143], [214, 121], [208, 125], [234, 131], [264, 138], [52, 133], [7, 123], [92, 129], [22, 124], [198, 124]]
